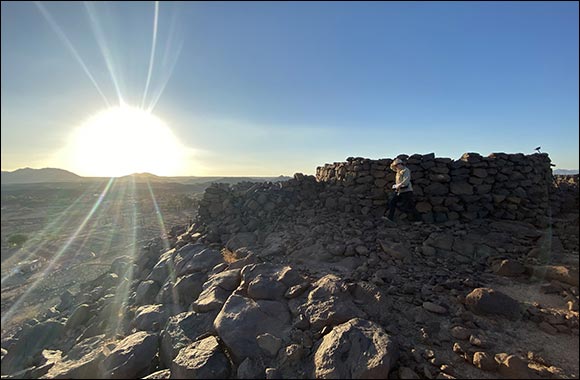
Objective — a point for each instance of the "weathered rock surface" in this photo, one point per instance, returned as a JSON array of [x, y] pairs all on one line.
[[180, 331], [81, 362], [357, 349], [203, 359], [325, 287], [242, 319], [132, 357], [486, 301]]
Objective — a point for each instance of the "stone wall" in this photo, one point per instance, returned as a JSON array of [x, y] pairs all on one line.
[[565, 196], [502, 186]]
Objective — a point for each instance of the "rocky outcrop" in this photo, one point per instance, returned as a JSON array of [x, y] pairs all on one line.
[[299, 279]]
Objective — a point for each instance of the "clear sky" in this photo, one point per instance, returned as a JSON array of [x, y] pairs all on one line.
[[277, 88]]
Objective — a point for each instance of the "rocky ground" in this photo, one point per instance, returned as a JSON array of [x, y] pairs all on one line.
[[319, 293]]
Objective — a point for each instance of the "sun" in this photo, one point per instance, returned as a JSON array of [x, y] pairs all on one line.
[[124, 140]]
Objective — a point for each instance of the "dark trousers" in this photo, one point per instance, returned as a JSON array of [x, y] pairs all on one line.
[[405, 202]]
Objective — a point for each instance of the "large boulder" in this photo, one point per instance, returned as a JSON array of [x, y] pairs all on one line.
[[357, 349], [216, 290], [242, 319], [30, 343], [329, 303], [181, 330], [132, 357], [203, 359], [81, 362], [163, 269], [266, 287], [146, 292], [486, 301], [151, 317], [78, 317], [251, 368], [188, 287], [286, 275], [195, 258]]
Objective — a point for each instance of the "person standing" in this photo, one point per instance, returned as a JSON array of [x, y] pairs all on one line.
[[403, 198]]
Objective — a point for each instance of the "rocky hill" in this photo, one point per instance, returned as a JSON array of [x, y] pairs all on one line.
[[28, 175], [303, 279]]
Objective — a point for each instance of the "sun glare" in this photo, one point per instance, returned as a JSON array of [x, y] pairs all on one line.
[[125, 140]]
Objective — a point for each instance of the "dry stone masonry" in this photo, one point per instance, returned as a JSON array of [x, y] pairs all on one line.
[[503, 186], [301, 279]]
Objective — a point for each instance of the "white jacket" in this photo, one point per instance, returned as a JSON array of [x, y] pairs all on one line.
[[403, 181]]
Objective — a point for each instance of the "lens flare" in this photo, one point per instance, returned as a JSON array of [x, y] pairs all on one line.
[[125, 140]]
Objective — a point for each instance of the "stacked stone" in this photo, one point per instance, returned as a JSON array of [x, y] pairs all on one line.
[[357, 186], [503, 186], [245, 206], [522, 186], [564, 198], [506, 186]]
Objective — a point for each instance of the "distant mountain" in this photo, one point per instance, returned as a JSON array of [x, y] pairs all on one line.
[[48, 175], [29, 175], [143, 177], [566, 171]]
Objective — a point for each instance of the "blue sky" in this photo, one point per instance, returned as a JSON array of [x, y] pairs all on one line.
[[277, 88]]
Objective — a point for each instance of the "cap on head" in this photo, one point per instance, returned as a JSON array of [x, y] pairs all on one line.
[[397, 161]]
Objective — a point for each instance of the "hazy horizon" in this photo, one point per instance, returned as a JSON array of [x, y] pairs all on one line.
[[192, 175], [140, 173], [253, 89]]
